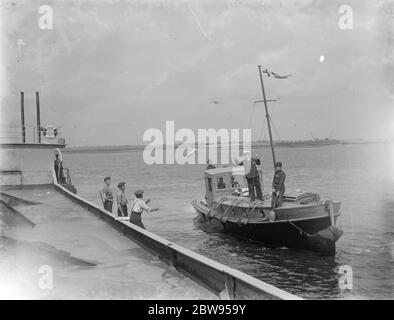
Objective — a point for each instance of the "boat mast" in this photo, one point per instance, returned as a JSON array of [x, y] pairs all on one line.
[[267, 116]]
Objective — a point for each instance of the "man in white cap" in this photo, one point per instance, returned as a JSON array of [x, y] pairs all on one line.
[[252, 174]]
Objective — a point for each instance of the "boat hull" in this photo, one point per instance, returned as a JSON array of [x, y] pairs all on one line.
[[315, 234]]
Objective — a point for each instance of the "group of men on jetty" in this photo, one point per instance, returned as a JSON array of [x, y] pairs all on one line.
[[253, 179], [138, 205]]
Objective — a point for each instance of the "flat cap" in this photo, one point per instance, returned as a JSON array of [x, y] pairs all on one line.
[[121, 184], [278, 164], [138, 192]]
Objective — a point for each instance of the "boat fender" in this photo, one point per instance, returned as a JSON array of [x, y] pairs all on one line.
[[272, 216], [263, 216], [244, 221], [224, 219]]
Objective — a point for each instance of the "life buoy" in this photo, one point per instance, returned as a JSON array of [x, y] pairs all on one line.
[[50, 132]]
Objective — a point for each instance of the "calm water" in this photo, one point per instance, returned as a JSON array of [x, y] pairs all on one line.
[[361, 176]]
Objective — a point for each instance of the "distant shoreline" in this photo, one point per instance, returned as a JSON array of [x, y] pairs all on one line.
[[279, 144]]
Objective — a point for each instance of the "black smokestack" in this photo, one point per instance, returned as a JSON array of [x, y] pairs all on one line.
[[38, 116], [23, 117]]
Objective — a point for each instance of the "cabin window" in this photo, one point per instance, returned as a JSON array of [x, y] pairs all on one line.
[[221, 183], [210, 184], [237, 181]]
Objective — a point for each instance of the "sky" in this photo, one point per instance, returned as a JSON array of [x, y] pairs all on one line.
[[110, 70]]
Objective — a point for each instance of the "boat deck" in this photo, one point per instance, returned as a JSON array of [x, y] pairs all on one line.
[[120, 268], [245, 202]]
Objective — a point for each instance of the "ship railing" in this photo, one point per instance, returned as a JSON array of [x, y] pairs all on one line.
[[31, 134]]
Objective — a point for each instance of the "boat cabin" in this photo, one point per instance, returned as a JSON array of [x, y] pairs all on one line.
[[220, 182]]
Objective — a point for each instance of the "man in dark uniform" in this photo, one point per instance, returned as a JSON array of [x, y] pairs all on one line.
[[56, 165], [278, 186], [62, 178], [252, 175]]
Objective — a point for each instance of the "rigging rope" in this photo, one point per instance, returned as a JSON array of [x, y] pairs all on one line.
[[251, 117], [300, 230], [289, 161], [261, 137], [264, 129], [232, 206]]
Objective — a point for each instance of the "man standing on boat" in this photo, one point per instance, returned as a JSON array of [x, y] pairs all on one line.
[[209, 165], [278, 186], [138, 207], [252, 174], [106, 195], [121, 200]]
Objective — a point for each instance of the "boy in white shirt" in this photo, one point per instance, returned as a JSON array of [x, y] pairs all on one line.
[[138, 206]]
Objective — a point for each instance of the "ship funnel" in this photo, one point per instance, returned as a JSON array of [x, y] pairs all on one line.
[[23, 117], [38, 117]]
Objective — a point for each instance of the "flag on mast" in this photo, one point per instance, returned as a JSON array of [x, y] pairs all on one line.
[[275, 75]]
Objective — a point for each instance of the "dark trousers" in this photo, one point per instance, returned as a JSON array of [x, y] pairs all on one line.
[[124, 207], [135, 218], [254, 183], [61, 177], [108, 205], [57, 173], [277, 198]]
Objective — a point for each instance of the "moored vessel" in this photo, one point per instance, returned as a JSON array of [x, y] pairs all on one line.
[[304, 221]]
